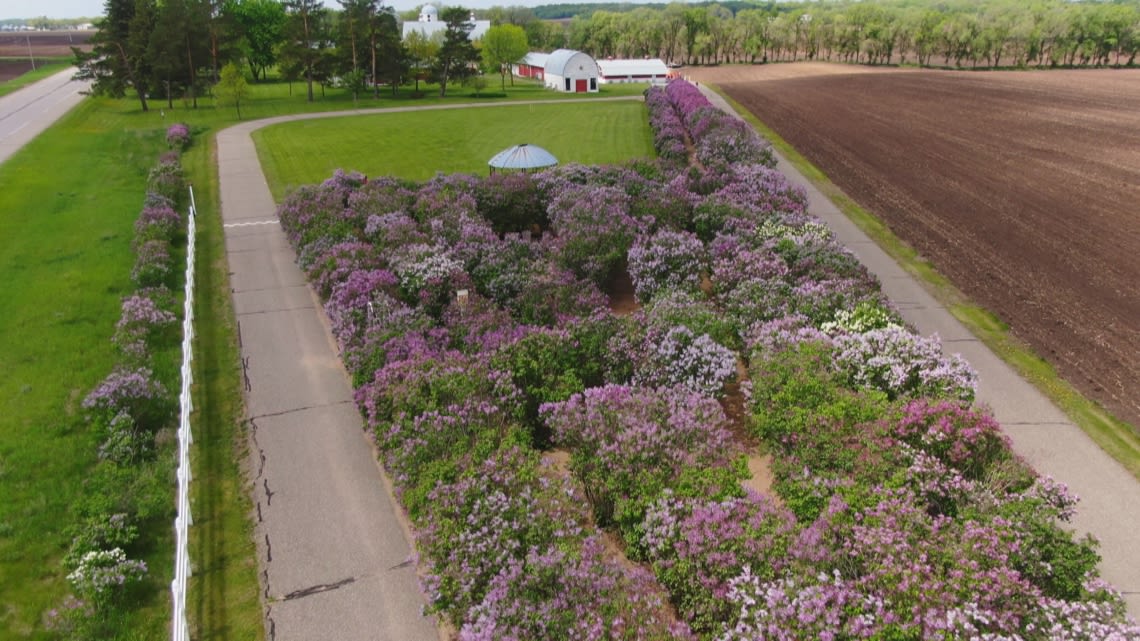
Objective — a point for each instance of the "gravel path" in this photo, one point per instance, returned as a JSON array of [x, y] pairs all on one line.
[[1041, 433]]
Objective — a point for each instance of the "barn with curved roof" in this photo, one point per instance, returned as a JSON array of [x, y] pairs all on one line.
[[571, 71]]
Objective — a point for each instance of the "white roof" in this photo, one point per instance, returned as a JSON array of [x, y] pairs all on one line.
[[430, 28], [559, 58], [650, 67], [535, 59]]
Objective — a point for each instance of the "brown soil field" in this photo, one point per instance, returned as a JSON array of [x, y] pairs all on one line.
[[1023, 188], [10, 69], [47, 44]]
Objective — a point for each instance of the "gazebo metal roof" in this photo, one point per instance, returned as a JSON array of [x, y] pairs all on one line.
[[522, 157]]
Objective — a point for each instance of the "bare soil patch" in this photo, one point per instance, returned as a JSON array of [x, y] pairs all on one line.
[[1021, 187], [10, 69]]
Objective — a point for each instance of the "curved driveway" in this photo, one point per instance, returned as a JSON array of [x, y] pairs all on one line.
[[1041, 433], [26, 112], [335, 555]]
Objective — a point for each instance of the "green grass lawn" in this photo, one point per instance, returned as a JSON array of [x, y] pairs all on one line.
[[43, 70], [416, 145]]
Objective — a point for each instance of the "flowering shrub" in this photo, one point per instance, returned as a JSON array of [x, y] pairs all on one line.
[[594, 230], [178, 136], [511, 202], [153, 264], [555, 595], [135, 392], [513, 504], [99, 574], [902, 513], [628, 442], [159, 222], [165, 178], [678, 357], [699, 546], [902, 364], [140, 319], [666, 260]]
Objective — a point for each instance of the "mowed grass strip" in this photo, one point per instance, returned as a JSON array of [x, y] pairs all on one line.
[[1117, 438], [66, 213], [417, 145]]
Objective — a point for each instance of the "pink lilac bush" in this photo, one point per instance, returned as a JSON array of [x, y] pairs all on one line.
[[178, 136], [157, 223], [153, 263], [678, 357], [134, 391]]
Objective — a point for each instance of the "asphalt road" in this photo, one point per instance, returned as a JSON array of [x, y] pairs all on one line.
[[27, 112], [1041, 433]]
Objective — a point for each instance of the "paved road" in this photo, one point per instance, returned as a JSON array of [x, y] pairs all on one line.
[[28, 111], [1041, 433], [334, 553]]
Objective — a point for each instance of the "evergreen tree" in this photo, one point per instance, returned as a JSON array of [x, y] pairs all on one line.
[[304, 38], [118, 59], [457, 56]]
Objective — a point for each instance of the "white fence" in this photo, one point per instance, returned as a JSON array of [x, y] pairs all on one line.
[[180, 631]]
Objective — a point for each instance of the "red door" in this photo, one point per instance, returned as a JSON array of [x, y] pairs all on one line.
[[580, 86]]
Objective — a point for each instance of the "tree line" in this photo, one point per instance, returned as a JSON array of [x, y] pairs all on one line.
[[178, 48], [957, 33]]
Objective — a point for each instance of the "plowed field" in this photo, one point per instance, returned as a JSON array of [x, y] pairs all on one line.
[[1023, 188], [15, 47]]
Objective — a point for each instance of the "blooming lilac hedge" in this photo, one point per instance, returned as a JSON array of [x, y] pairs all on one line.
[[472, 314], [126, 493]]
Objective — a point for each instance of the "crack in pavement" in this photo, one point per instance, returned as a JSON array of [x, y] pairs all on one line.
[[302, 409], [317, 589]]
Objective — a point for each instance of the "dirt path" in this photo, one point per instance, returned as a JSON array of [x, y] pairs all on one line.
[[1040, 433]]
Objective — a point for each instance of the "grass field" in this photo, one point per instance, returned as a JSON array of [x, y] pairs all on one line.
[[65, 229], [66, 214], [416, 145]]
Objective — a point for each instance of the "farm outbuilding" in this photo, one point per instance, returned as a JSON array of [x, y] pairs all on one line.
[[533, 65], [619, 71], [572, 71]]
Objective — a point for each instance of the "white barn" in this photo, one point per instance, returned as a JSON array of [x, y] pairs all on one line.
[[619, 71], [429, 24], [571, 71]]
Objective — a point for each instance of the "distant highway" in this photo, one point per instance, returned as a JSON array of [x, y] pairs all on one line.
[[27, 112]]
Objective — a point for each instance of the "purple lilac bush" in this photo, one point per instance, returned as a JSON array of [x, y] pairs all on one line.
[[901, 512], [178, 136]]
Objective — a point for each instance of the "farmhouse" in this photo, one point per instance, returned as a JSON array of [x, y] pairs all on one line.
[[572, 71], [619, 71], [429, 24]]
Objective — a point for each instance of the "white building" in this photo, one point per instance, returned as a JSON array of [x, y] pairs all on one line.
[[571, 71], [429, 24], [618, 71]]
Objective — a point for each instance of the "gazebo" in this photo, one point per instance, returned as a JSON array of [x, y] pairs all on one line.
[[522, 157]]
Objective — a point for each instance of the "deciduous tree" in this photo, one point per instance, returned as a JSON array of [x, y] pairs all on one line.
[[503, 45]]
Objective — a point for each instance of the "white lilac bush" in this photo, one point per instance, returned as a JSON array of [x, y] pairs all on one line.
[[520, 419]]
